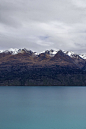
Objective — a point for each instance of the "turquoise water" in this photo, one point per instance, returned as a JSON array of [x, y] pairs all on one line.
[[42, 107]]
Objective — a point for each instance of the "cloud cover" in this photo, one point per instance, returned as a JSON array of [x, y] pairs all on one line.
[[40, 25]]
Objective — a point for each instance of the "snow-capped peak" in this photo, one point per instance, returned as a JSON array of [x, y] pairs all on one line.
[[1, 51], [83, 56], [51, 52], [11, 50], [14, 51], [69, 53]]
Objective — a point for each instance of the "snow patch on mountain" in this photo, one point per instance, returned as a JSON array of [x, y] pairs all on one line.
[[1, 51], [51, 52], [11, 50], [83, 56], [70, 53], [15, 51]]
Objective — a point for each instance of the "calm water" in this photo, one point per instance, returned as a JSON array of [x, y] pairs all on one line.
[[42, 107]]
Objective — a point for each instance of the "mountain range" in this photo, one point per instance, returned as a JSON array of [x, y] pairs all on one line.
[[23, 67]]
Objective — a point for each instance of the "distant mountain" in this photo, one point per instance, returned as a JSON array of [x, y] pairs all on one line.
[[49, 52], [51, 67]]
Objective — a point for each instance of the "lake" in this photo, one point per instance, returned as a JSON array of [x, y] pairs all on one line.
[[51, 107]]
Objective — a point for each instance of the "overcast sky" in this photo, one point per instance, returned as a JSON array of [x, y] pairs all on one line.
[[43, 24]]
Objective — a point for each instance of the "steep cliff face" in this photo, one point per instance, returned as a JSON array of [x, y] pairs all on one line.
[[25, 67]]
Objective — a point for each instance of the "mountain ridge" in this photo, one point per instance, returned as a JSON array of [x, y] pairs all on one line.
[[25, 67], [52, 52]]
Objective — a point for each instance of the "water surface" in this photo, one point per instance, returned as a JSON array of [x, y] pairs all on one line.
[[43, 107]]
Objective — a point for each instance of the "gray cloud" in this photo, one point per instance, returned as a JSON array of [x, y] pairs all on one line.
[[41, 25]]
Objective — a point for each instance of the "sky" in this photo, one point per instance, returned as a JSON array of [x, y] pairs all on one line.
[[41, 25]]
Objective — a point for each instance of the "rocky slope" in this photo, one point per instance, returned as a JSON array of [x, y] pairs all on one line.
[[24, 67]]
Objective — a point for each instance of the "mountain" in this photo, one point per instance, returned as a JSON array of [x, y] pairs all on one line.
[[51, 67]]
